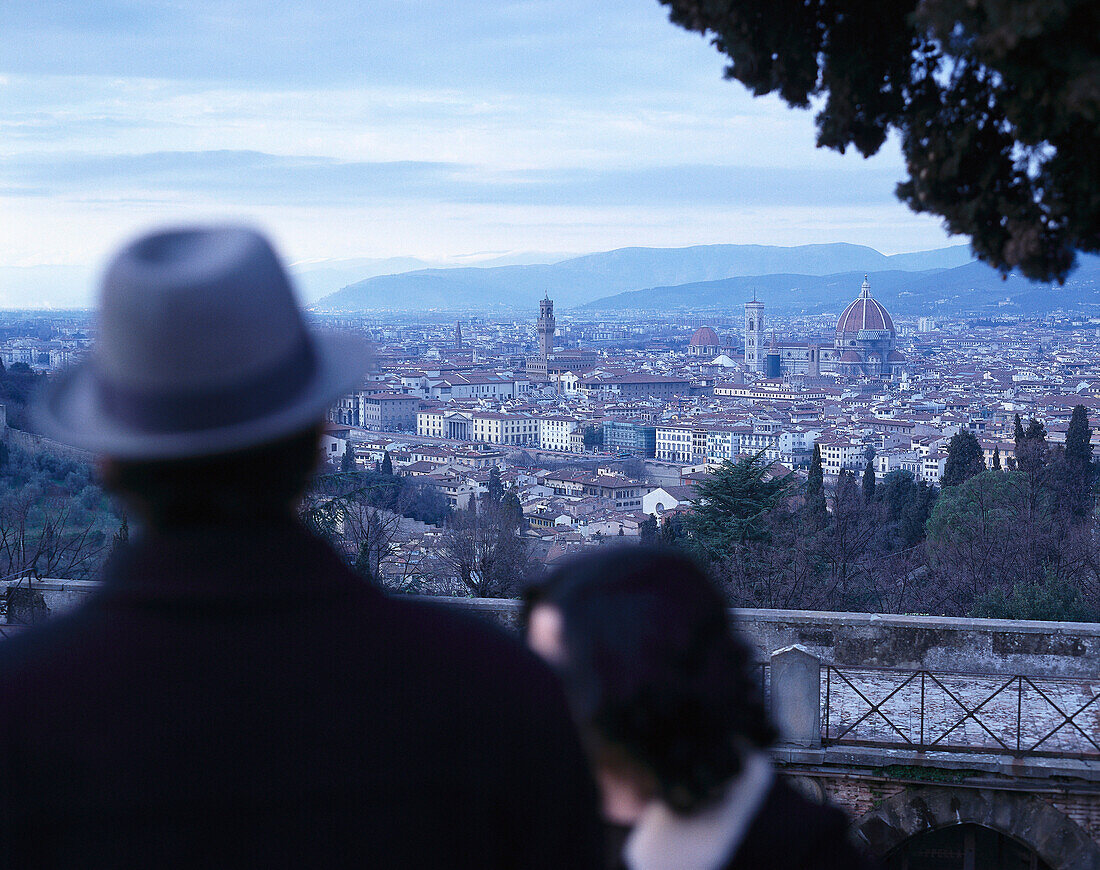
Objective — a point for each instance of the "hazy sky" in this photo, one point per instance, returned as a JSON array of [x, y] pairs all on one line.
[[408, 127]]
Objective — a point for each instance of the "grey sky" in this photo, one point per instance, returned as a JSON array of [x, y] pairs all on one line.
[[420, 128]]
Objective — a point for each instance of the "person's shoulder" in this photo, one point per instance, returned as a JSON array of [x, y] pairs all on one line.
[[457, 636], [792, 832]]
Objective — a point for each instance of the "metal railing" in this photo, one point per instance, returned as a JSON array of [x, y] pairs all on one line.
[[943, 711]]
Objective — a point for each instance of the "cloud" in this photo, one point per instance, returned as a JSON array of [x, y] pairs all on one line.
[[559, 46], [251, 177]]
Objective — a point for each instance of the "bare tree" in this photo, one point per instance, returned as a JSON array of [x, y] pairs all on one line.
[[485, 551], [340, 508], [42, 537]]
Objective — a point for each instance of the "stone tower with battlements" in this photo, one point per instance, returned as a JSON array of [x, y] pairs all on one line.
[[546, 327]]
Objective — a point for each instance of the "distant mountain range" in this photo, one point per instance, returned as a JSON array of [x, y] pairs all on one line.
[[318, 279], [581, 280], [805, 279], [971, 288], [56, 287]]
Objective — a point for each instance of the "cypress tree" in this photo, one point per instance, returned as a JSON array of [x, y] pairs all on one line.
[[511, 509], [996, 458], [494, 489], [1079, 437], [868, 483], [1018, 431], [815, 489], [387, 463], [1074, 472], [964, 458]]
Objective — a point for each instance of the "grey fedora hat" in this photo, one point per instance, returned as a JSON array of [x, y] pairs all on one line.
[[201, 350]]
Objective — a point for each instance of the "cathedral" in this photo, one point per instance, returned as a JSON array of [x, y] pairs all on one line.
[[864, 345]]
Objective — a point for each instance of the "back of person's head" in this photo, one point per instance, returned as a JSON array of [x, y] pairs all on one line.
[[205, 388], [263, 481], [659, 681]]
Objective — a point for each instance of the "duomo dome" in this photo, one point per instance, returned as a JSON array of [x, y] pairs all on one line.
[[866, 339], [864, 314]]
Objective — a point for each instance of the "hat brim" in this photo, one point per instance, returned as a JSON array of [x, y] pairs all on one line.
[[70, 411]]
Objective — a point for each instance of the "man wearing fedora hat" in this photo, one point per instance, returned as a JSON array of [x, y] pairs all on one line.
[[234, 695]]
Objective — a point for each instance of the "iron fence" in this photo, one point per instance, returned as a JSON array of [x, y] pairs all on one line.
[[943, 711]]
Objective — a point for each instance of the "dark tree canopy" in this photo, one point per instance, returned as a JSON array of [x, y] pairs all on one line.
[[816, 511], [868, 483], [964, 458], [996, 104], [732, 504], [494, 490], [1079, 437], [1073, 472]]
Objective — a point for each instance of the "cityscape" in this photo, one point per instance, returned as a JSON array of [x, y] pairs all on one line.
[[601, 425], [545, 435]]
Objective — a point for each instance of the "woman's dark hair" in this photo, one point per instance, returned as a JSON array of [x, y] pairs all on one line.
[[259, 481], [655, 673]]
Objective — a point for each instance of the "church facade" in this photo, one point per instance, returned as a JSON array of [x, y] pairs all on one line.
[[864, 344]]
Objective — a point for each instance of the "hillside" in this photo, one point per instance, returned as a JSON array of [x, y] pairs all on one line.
[[973, 287], [579, 280]]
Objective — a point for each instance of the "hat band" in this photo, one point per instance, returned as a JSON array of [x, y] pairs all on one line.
[[199, 410]]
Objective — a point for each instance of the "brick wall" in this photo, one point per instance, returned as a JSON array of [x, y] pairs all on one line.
[[1082, 808]]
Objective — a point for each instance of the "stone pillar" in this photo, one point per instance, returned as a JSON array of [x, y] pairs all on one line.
[[796, 696]]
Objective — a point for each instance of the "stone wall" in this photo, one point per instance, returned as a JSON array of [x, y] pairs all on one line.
[[862, 795], [985, 646], [936, 643], [35, 444], [1058, 827], [980, 646], [58, 596]]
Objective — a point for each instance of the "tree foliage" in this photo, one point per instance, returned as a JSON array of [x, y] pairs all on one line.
[[1073, 471], [731, 506], [815, 508], [995, 104], [494, 490], [868, 482], [54, 520], [964, 458], [484, 549], [592, 436], [1053, 599]]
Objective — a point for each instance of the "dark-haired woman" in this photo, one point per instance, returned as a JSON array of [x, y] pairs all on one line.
[[664, 694]]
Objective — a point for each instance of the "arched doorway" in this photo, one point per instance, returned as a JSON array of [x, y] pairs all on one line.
[[963, 847], [891, 830]]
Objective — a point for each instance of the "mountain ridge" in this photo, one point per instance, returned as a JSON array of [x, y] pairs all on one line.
[[579, 280], [971, 287]]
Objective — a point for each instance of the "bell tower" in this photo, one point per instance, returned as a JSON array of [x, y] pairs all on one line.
[[754, 335]]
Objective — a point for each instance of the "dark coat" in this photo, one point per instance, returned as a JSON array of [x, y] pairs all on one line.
[[236, 697], [793, 833], [790, 832]]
